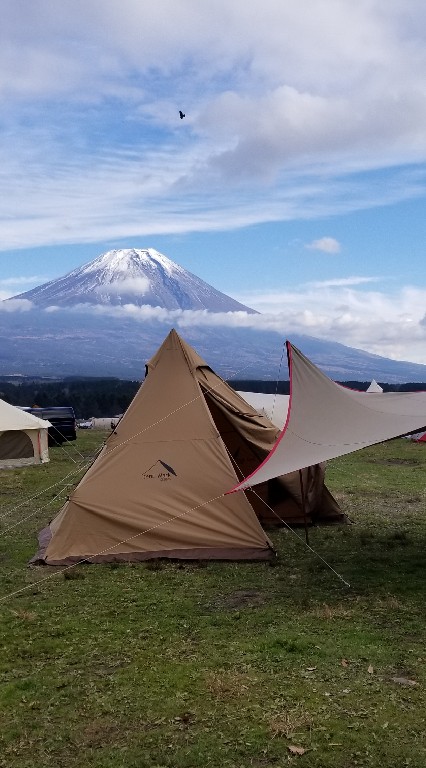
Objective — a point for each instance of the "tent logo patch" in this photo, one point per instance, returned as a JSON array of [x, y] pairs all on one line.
[[159, 471]]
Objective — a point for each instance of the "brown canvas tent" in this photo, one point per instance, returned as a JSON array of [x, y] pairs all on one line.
[[157, 488]]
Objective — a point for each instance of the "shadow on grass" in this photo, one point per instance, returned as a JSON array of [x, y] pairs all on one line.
[[371, 560]]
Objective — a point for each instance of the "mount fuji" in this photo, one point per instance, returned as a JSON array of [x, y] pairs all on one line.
[[133, 276], [108, 317]]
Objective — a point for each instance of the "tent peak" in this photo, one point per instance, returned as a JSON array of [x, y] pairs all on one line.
[[174, 343]]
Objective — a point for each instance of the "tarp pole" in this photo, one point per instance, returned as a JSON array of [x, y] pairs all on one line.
[[302, 489]]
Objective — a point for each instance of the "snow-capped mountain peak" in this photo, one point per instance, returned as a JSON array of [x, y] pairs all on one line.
[[128, 261], [133, 276]]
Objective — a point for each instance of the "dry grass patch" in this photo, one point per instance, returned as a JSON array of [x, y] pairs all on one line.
[[228, 684], [329, 612], [101, 732], [390, 603], [290, 723], [241, 598], [25, 615]]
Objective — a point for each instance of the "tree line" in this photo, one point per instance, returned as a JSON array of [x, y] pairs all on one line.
[[110, 397], [283, 387], [103, 397]]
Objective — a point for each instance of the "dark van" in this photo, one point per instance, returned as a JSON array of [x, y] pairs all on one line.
[[62, 419]]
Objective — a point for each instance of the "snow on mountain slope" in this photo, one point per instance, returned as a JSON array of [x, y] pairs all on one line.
[[133, 276]]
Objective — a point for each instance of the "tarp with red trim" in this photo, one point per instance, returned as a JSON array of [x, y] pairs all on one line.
[[326, 420]]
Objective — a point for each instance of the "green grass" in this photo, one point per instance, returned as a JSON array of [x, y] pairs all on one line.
[[165, 665]]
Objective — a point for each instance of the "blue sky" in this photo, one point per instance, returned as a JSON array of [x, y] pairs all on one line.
[[296, 182]]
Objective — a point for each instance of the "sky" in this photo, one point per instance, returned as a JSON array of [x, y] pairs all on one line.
[[296, 182]]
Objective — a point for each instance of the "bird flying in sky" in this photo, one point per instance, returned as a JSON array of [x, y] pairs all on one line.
[[181, 114]]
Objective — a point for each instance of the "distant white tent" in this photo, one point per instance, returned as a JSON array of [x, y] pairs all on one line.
[[23, 438], [374, 387], [326, 420], [275, 407]]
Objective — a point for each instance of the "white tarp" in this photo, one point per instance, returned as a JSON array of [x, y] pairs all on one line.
[[326, 420]]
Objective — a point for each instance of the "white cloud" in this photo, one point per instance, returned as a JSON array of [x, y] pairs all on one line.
[[389, 324], [51, 205], [392, 326], [15, 305], [136, 285], [325, 244], [278, 127], [339, 282]]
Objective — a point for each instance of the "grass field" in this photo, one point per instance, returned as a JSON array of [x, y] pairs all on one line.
[[221, 664]]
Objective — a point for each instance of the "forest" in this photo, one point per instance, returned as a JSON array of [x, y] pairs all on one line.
[[88, 397], [94, 397]]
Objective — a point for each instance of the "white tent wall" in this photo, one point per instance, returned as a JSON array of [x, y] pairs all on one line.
[[275, 407], [14, 442], [23, 438]]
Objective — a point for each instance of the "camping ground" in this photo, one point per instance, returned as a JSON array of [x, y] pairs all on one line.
[[174, 665]]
